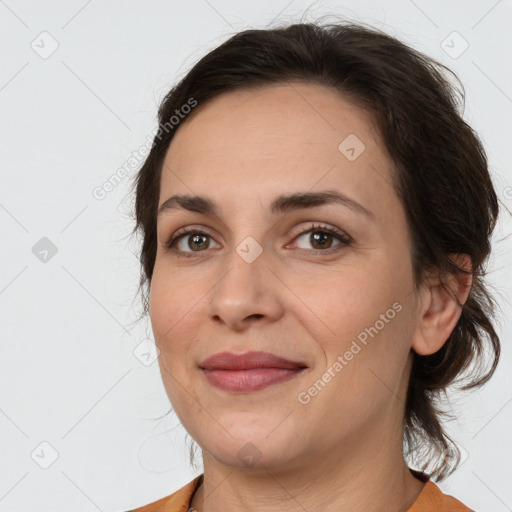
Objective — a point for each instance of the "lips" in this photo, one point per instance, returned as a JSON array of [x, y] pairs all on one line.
[[249, 361], [246, 373]]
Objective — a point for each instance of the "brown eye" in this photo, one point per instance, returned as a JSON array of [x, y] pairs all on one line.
[[198, 242], [321, 238], [191, 241]]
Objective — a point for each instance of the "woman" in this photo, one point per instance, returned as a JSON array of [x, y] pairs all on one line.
[[316, 216]]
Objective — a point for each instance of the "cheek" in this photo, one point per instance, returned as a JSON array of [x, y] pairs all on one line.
[[173, 318], [171, 309], [171, 297], [365, 353], [363, 313], [348, 299]]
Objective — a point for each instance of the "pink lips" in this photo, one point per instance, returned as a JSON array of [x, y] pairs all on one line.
[[251, 371]]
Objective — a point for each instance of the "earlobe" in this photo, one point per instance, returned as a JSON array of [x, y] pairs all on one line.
[[439, 309]]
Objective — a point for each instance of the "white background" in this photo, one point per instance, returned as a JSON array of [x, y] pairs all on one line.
[[68, 375]]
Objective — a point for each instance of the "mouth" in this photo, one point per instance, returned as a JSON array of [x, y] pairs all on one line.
[[249, 380], [249, 372]]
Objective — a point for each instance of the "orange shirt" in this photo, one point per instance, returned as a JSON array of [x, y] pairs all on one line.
[[431, 499]]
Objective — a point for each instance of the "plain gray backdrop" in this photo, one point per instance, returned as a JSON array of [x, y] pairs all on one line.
[[83, 419]]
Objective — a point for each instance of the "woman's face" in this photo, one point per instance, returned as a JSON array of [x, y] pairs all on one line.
[[277, 275]]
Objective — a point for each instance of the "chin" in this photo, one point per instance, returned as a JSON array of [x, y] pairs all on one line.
[[251, 456], [258, 445]]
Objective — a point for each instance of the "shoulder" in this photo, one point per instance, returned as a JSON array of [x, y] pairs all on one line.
[[432, 498], [177, 502]]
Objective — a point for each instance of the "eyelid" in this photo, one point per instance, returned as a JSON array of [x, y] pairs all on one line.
[[184, 232], [326, 228], [343, 238]]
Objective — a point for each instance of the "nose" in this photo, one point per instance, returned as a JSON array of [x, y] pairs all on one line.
[[247, 293]]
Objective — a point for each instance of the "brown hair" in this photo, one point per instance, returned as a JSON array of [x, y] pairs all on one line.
[[440, 174]]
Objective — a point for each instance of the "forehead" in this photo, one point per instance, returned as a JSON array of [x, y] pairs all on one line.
[[284, 135], [308, 112]]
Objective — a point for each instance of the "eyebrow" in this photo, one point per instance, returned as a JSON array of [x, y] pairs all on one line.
[[282, 204]]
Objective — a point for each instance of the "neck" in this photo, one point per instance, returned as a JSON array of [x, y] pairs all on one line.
[[370, 475]]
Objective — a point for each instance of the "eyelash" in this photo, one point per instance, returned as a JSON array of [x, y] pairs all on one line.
[[344, 239]]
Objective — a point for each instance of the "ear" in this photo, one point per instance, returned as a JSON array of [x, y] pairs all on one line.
[[439, 310]]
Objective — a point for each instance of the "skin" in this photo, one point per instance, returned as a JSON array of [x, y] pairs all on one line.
[[343, 449]]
